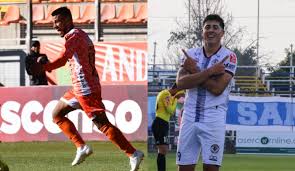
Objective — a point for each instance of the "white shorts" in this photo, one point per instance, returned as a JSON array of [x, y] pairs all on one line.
[[197, 137]]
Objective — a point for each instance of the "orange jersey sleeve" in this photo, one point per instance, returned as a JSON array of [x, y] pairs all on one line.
[[67, 53]]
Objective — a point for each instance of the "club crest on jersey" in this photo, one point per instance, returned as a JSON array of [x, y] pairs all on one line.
[[233, 58], [214, 148]]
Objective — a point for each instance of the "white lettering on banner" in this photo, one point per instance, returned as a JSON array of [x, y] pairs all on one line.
[[9, 115], [31, 127], [264, 139], [139, 58], [270, 112], [109, 65], [125, 65], [123, 108], [247, 113], [290, 114], [12, 122], [47, 118], [129, 66], [248, 140]]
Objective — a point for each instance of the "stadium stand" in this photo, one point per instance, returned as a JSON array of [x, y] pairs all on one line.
[[126, 12], [141, 15], [75, 10], [88, 15], [48, 18], [109, 0], [82, 14], [73, 0], [108, 12], [12, 15], [57, 1], [38, 13], [249, 83], [36, 1]]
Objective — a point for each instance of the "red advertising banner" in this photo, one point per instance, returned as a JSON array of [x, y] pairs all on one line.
[[116, 62], [26, 113]]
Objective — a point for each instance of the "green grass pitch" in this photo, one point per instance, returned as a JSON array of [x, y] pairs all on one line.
[[236, 162], [58, 156]]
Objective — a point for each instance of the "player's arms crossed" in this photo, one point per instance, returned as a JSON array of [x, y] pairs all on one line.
[[188, 68], [196, 79], [185, 80], [216, 85]]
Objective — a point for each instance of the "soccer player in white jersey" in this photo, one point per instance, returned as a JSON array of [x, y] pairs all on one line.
[[206, 73]]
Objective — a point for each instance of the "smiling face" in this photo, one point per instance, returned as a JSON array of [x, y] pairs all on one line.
[[62, 24], [212, 33]]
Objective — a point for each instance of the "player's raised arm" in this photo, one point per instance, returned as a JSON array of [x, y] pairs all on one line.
[[67, 53], [190, 64], [57, 63]]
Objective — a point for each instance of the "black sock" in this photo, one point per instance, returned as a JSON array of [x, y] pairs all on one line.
[[161, 162]]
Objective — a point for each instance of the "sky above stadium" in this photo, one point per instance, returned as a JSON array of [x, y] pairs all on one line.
[[277, 25]]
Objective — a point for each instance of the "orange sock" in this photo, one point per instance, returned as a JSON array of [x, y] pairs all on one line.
[[69, 129], [116, 136]]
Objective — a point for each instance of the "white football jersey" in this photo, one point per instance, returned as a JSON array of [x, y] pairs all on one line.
[[199, 100]]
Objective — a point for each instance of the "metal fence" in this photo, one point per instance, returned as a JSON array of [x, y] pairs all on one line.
[[244, 83]]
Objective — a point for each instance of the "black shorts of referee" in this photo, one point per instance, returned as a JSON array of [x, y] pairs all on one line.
[[160, 130]]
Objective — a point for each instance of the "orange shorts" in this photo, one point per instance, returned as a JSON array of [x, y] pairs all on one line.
[[91, 103]]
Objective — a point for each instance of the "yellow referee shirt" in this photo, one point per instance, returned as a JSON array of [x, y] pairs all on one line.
[[165, 105]]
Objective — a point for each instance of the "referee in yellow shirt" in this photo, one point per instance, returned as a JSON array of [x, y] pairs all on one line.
[[165, 107]]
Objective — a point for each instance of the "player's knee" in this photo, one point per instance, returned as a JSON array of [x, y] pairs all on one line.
[[163, 149], [101, 120], [57, 119], [60, 111], [186, 167], [210, 167]]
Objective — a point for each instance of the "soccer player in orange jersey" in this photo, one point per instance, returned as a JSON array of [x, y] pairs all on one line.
[[86, 92]]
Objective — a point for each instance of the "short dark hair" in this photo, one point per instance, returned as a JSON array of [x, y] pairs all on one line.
[[63, 11], [35, 43], [214, 17]]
